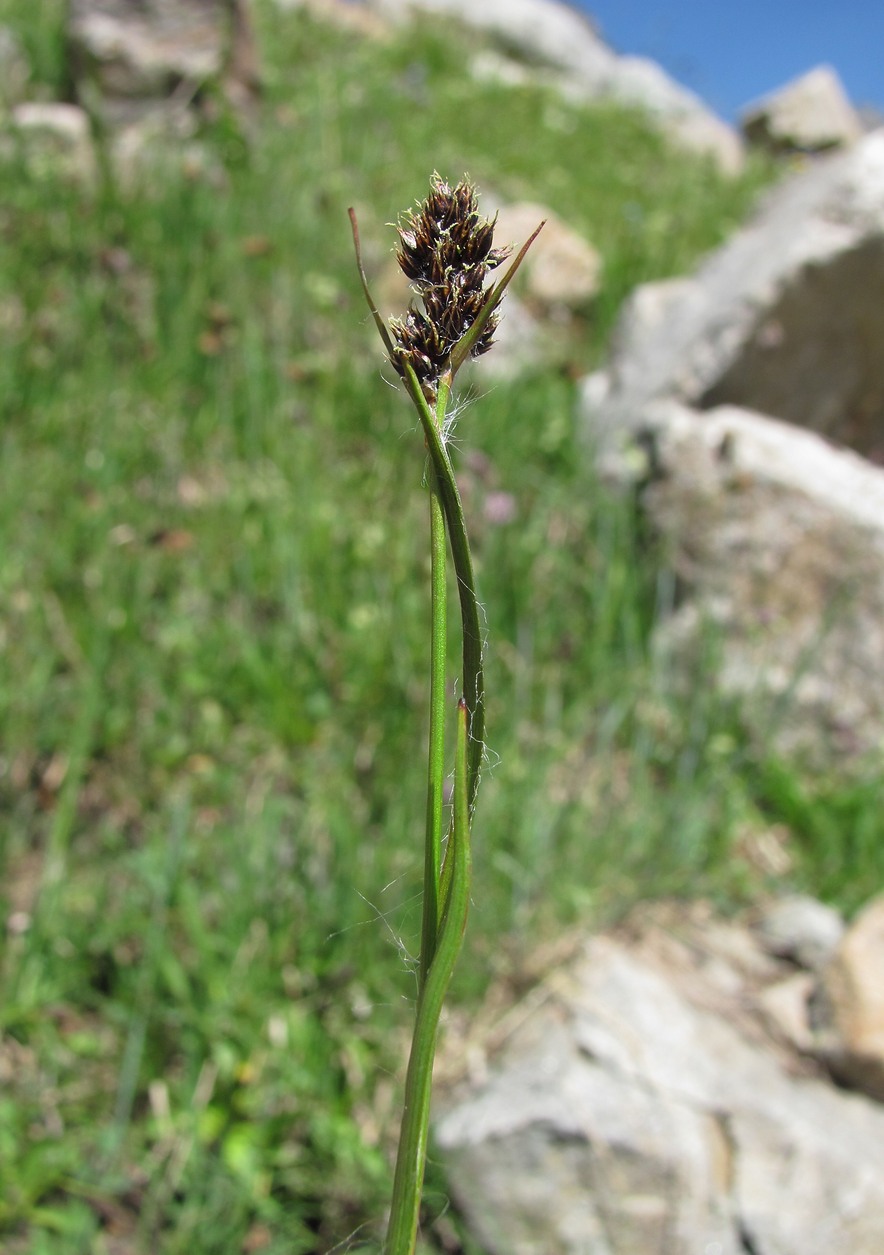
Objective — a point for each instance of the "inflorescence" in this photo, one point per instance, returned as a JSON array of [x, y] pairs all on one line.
[[445, 249]]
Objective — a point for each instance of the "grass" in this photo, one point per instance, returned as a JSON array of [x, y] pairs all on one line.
[[212, 653]]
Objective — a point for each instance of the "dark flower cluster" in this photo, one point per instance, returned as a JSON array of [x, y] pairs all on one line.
[[445, 249]]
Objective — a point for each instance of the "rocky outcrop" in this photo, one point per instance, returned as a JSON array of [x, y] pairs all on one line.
[[133, 51], [776, 535], [783, 319], [777, 540], [133, 57], [643, 1099], [148, 71], [808, 115], [359, 17]]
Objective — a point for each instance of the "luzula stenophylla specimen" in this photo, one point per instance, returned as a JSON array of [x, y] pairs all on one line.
[[446, 249]]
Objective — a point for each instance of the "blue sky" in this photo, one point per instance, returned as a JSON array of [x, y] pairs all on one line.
[[731, 53]]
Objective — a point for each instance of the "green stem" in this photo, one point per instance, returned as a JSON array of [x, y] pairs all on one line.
[[473, 676], [436, 756], [408, 1181], [446, 889]]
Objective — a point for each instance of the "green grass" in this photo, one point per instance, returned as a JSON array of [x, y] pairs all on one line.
[[213, 629]]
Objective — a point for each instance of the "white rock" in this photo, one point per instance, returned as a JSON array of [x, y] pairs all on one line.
[[783, 319], [779, 538], [546, 30], [640, 1105], [145, 50], [776, 535], [786, 1007], [56, 137], [341, 13], [640, 81], [810, 114], [802, 929], [133, 56]]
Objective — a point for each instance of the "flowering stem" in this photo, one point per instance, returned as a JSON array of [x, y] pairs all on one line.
[[473, 676], [436, 756], [445, 249]]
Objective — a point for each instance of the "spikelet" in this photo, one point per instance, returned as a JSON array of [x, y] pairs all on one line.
[[446, 251]]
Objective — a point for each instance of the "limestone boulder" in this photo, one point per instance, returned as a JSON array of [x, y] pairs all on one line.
[[809, 115], [136, 50], [131, 55], [359, 17], [747, 403], [784, 319], [777, 539], [543, 316], [639, 1102], [681, 113]]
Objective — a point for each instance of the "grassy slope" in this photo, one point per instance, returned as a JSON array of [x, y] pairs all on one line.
[[212, 652]]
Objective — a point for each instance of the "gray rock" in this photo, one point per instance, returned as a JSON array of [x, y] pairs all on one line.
[[149, 49], [542, 32], [641, 1105], [786, 1007], [871, 117], [686, 119], [779, 539], [129, 55], [775, 534], [802, 929], [810, 114], [344, 14], [783, 319]]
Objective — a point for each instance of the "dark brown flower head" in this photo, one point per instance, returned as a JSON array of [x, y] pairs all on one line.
[[445, 249]]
